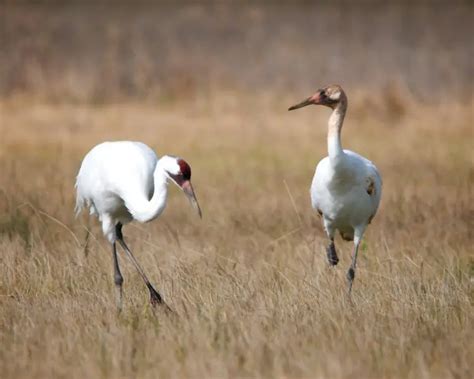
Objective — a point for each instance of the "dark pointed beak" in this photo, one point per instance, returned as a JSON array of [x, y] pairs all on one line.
[[304, 103], [188, 190]]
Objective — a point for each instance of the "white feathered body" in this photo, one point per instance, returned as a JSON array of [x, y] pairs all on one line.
[[347, 193], [116, 182]]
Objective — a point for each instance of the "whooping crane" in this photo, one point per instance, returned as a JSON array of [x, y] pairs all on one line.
[[346, 187], [124, 181]]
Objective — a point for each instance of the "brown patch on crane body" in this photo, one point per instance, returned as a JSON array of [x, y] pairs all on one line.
[[347, 236], [371, 186]]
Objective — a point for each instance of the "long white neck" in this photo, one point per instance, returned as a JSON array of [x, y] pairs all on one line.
[[335, 152], [144, 210]]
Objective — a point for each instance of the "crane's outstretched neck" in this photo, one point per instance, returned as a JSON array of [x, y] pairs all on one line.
[[335, 152], [144, 210]]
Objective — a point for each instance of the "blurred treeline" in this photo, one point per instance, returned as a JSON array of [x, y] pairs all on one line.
[[105, 51]]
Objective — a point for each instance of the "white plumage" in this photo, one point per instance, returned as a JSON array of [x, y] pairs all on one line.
[[341, 193], [125, 181], [346, 187]]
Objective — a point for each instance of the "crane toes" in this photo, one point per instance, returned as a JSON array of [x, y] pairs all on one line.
[[332, 255], [157, 300], [350, 274], [350, 279], [155, 297]]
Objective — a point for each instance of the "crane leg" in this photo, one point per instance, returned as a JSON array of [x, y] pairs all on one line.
[[331, 252], [86, 244], [118, 278], [331, 249], [86, 239], [155, 297], [352, 268]]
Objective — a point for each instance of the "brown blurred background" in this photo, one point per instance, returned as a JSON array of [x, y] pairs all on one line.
[[106, 51]]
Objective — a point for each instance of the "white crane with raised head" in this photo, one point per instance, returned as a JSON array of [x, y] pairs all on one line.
[[346, 187], [124, 181]]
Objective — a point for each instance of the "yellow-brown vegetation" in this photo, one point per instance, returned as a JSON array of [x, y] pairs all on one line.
[[250, 282]]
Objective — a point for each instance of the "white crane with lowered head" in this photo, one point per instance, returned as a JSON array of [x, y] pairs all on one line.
[[346, 187], [124, 181]]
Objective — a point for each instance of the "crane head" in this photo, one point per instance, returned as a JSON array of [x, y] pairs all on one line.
[[329, 96], [179, 171]]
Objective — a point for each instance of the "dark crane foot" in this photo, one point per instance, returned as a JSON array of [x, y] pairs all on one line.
[[350, 279], [157, 300], [332, 255]]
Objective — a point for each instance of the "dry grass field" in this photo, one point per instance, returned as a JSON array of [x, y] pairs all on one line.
[[249, 282], [251, 289]]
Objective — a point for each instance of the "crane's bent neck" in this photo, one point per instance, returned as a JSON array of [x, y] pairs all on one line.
[[149, 210], [335, 152]]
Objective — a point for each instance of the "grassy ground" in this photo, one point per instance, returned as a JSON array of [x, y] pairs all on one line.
[[250, 283]]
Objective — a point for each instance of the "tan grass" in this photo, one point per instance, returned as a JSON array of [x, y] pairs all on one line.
[[250, 282]]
